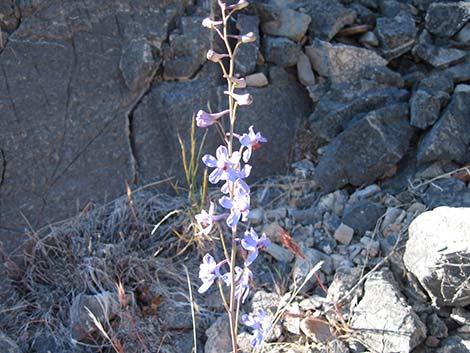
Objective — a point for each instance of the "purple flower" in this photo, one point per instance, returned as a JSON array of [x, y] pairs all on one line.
[[208, 272], [204, 119], [259, 322], [239, 206], [252, 141], [224, 166], [242, 282], [252, 242], [206, 220], [241, 99], [215, 57], [238, 183]]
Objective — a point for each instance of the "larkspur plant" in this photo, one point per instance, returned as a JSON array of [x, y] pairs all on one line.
[[229, 169]]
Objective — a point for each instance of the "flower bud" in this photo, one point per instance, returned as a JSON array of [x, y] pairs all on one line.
[[204, 119], [239, 82], [215, 57], [241, 99], [248, 38], [240, 5], [208, 23]]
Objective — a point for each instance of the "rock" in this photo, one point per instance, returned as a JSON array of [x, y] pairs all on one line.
[[290, 24], [304, 71], [256, 216], [436, 326], [462, 88], [460, 72], [340, 62], [362, 215], [9, 18], [424, 109], [279, 253], [344, 281], [317, 329], [258, 79], [269, 302], [371, 247], [218, 336], [247, 54], [423, 5], [137, 63], [281, 51], [437, 56], [66, 107], [460, 316], [463, 36], [366, 150], [328, 18], [7, 345], [446, 192], [303, 266], [344, 234], [187, 49], [383, 319], [454, 344], [390, 217], [104, 306], [341, 105], [437, 254], [397, 35], [364, 14], [449, 137], [369, 38], [365, 193], [303, 168], [446, 19]]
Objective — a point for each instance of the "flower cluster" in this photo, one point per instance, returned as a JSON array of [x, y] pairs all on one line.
[[231, 167]]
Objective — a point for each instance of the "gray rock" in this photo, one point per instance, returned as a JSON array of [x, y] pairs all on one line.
[[446, 19], [218, 336], [341, 105], [328, 18], [247, 54], [463, 36], [340, 62], [437, 253], [187, 49], [366, 150], [65, 107], [281, 51], [258, 79], [369, 38], [304, 71], [344, 281], [424, 109], [364, 14], [436, 326], [423, 5], [344, 234], [391, 8], [290, 24], [397, 35], [460, 316], [446, 192], [439, 57], [384, 320], [460, 72], [137, 63], [439, 84], [449, 137], [7, 345], [454, 344], [362, 215], [302, 267]]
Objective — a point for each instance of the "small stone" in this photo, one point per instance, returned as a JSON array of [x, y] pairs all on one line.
[[218, 336], [292, 319], [461, 316], [436, 326], [289, 23], [424, 109], [258, 79], [256, 216], [281, 51], [371, 247], [369, 38], [390, 217], [280, 253], [462, 88], [318, 329], [365, 193], [340, 261], [304, 71], [417, 207], [362, 215], [344, 234]]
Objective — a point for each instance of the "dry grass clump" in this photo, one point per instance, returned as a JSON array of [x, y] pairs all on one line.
[[90, 255]]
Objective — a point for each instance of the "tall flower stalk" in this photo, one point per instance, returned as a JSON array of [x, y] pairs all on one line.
[[231, 168]]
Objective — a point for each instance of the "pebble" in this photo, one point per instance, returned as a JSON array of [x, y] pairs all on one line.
[[344, 234], [258, 79], [369, 38], [304, 71]]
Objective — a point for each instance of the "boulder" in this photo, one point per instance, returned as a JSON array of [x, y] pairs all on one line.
[[397, 35], [328, 18], [289, 23], [437, 253], [446, 19], [383, 319], [366, 150], [449, 138], [341, 63], [247, 54]]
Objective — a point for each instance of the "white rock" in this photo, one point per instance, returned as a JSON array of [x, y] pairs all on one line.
[[256, 80]]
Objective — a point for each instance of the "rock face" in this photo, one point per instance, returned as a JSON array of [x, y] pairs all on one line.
[[385, 322], [66, 100], [366, 150], [437, 253]]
